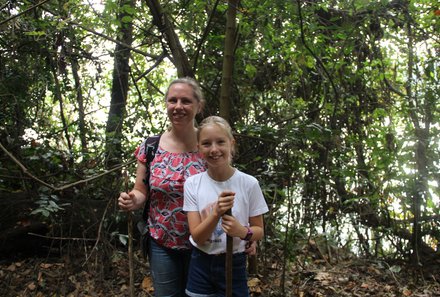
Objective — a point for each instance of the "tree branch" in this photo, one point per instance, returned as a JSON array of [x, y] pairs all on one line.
[[23, 12], [64, 187]]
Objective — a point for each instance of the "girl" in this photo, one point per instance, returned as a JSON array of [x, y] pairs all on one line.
[[207, 196]]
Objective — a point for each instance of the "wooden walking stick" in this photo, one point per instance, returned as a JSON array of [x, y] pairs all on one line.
[[228, 262], [130, 240]]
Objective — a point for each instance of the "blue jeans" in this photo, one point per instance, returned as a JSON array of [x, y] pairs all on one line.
[[169, 269], [207, 275]]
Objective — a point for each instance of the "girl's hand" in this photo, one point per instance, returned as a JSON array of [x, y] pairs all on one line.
[[232, 227], [225, 201]]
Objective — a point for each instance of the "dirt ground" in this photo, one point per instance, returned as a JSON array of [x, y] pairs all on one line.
[[306, 276]]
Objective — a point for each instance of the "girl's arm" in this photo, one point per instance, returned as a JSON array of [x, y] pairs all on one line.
[[201, 230], [235, 229]]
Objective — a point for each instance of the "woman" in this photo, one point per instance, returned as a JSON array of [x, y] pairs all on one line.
[[176, 159]]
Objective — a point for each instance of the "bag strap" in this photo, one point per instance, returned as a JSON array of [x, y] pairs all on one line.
[[151, 145]]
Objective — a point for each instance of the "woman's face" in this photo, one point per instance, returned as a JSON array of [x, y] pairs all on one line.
[[181, 105]]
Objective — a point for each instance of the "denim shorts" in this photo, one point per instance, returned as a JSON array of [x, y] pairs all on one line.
[[169, 269], [206, 276]]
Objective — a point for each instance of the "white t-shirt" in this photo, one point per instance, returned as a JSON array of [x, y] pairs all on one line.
[[201, 193]]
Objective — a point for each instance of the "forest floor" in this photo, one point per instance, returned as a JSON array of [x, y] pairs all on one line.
[[309, 275]]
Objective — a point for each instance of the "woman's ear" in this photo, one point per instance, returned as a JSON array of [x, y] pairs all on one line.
[[201, 106], [233, 147]]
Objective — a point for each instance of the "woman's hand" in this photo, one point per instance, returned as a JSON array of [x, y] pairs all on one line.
[[251, 248], [127, 202]]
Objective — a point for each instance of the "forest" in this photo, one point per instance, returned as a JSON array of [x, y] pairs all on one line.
[[335, 110]]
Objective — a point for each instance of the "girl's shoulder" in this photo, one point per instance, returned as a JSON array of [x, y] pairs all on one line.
[[245, 176], [196, 177]]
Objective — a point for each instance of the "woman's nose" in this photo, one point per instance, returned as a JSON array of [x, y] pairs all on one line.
[[179, 104]]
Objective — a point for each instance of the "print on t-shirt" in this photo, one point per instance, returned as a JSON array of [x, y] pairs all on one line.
[[218, 231]]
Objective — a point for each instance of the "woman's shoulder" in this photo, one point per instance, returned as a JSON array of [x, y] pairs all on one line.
[[151, 143]]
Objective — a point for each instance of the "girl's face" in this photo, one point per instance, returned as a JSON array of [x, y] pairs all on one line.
[[216, 146], [181, 105]]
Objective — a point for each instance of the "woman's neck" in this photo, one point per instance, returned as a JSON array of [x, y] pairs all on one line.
[[182, 140], [221, 173]]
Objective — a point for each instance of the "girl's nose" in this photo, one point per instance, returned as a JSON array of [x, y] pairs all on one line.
[[214, 147]]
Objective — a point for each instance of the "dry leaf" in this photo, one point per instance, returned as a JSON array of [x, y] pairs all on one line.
[[40, 277], [45, 265], [374, 270], [147, 284], [32, 286], [253, 282], [322, 276]]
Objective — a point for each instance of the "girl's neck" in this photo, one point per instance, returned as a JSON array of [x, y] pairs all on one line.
[[221, 173]]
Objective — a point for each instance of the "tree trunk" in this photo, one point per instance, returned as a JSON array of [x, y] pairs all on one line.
[[228, 61], [419, 191], [119, 88], [179, 58], [80, 99], [59, 98]]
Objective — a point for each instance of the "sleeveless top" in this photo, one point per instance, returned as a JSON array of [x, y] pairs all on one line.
[[167, 221]]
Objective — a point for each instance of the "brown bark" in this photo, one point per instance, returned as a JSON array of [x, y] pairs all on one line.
[[228, 61], [179, 57], [80, 100], [119, 89]]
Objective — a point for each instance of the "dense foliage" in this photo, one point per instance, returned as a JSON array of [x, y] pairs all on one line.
[[335, 105]]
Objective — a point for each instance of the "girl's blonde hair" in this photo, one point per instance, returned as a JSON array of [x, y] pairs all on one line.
[[220, 122]]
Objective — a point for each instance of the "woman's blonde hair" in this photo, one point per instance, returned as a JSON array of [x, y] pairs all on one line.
[[197, 90]]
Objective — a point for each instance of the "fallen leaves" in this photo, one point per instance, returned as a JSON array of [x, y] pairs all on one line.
[[304, 278]]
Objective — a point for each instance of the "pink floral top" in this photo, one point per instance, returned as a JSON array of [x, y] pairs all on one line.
[[168, 171]]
